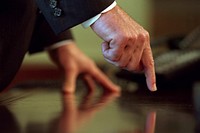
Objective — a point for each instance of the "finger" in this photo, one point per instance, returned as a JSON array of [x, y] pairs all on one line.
[[111, 53], [89, 82], [131, 67], [136, 55], [69, 84], [149, 70], [104, 81], [125, 58]]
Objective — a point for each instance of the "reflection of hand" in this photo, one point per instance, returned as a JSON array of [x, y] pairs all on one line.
[[126, 43], [74, 63], [73, 116]]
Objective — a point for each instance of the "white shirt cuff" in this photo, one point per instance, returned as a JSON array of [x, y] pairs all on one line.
[[90, 21], [59, 44]]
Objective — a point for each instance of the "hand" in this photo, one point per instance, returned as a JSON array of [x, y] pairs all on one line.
[[126, 44], [74, 62]]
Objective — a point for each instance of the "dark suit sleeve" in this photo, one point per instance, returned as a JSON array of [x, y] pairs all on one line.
[[73, 12], [43, 36]]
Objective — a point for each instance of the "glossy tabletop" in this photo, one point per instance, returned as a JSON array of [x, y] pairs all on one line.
[[40, 107]]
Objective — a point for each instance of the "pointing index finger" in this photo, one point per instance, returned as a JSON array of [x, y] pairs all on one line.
[[149, 69]]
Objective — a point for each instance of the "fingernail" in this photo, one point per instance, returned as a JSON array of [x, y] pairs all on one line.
[[154, 88]]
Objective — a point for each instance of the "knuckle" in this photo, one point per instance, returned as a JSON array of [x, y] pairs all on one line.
[[132, 38], [122, 39], [143, 37], [150, 64], [122, 65], [146, 34]]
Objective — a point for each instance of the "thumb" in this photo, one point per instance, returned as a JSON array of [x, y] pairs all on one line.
[[69, 84], [105, 49]]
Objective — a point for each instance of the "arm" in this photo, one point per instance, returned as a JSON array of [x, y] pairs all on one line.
[[73, 12]]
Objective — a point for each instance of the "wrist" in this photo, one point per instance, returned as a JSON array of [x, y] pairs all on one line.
[[95, 18], [60, 44]]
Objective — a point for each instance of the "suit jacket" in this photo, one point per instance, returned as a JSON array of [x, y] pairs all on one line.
[[18, 28], [43, 36], [73, 12]]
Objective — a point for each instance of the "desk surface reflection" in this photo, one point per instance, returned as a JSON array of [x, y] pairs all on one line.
[[43, 109]]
